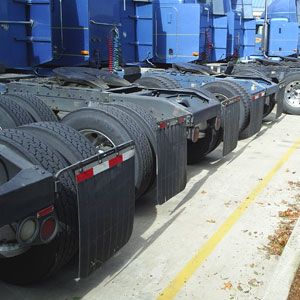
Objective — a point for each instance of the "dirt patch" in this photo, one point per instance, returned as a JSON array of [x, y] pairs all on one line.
[[295, 288]]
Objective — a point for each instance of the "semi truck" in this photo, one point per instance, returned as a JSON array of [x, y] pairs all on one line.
[[79, 144], [167, 44], [89, 85], [275, 53], [223, 41]]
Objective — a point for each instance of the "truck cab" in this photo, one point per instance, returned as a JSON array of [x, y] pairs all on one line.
[[278, 36]]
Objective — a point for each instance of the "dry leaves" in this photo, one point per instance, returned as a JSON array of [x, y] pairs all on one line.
[[295, 288], [227, 286], [294, 184], [279, 239], [211, 221]]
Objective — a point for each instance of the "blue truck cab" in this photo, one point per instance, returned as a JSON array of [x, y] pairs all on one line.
[[281, 37]]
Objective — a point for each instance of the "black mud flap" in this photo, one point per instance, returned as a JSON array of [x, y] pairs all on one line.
[[106, 201], [279, 109], [230, 124], [171, 166], [256, 118]]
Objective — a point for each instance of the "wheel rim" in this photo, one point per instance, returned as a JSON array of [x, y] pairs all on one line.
[[292, 94], [98, 139]]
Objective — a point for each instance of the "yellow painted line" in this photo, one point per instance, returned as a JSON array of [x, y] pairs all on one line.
[[203, 253]]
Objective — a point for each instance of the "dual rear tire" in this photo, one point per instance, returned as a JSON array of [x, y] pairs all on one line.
[[109, 126], [20, 109], [54, 147]]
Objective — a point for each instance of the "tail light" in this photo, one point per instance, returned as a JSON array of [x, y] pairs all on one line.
[[27, 230], [48, 230]]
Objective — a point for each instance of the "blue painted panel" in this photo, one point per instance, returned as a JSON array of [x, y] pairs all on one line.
[[282, 9], [283, 37], [249, 38], [144, 31], [219, 38], [75, 34], [241, 29], [175, 37], [25, 45]]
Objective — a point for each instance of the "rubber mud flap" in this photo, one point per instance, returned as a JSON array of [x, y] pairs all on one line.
[[279, 109], [171, 162], [256, 118], [106, 205], [230, 120]]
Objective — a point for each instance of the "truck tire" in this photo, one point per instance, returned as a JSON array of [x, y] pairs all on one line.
[[268, 108], [143, 117], [67, 141], [224, 89], [158, 81], [38, 110], [41, 261], [117, 126], [19, 115], [290, 93], [144, 155], [148, 125], [6, 120]]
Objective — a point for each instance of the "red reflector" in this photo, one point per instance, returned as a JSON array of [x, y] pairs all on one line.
[[163, 125], [48, 229], [45, 212], [115, 161], [85, 175]]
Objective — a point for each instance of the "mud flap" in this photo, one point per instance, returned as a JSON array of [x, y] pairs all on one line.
[[106, 201], [171, 158], [279, 109], [256, 118], [230, 123]]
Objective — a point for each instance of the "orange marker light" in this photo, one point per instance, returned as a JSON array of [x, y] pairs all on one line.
[[195, 53], [84, 52]]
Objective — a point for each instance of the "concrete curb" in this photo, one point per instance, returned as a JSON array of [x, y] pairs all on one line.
[[285, 271]]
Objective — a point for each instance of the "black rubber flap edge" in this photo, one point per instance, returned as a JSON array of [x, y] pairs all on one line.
[[256, 118], [171, 162], [106, 204], [279, 110], [230, 119]]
